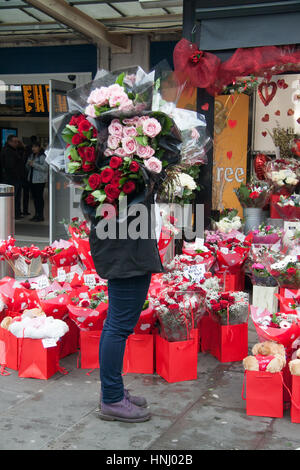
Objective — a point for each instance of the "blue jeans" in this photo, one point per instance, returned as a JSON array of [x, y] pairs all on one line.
[[126, 300]]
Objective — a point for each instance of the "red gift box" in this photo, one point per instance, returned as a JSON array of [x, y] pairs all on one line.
[[228, 343], [138, 357], [89, 349], [295, 407], [9, 349], [264, 394], [36, 361], [232, 281], [176, 361], [69, 343]]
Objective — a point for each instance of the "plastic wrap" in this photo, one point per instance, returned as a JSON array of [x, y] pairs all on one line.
[[229, 308], [253, 194], [286, 336], [283, 174]]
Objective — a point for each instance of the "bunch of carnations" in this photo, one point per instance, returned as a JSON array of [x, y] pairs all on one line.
[[228, 221], [81, 138], [286, 271], [261, 276], [283, 174], [228, 307], [253, 194], [267, 234]]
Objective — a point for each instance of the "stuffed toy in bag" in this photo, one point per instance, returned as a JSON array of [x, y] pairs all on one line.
[[268, 356]]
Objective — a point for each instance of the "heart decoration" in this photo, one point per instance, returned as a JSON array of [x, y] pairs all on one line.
[[277, 113], [290, 112], [229, 154], [232, 123], [205, 107], [264, 134], [265, 118], [264, 94], [260, 165]]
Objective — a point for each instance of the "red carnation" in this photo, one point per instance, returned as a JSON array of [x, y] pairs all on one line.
[[134, 166], [128, 187], [106, 175], [94, 181], [115, 162], [112, 192], [254, 195]]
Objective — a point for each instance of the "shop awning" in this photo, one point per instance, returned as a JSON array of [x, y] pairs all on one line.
[[232, 24]]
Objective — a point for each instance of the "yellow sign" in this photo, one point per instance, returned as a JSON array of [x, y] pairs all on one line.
[[230, 149], [36, 99]]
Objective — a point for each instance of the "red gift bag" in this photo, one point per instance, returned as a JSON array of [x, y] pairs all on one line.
[[69, 343], [274, 199], [9, 349], [138, 357], [145, 322], [228, 343], [89, 349], [176, 361], [264, 394], [36, 361], [232, 281], [295, 408]]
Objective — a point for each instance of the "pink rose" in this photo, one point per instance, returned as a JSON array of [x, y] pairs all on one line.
[[126, 104], [109, 152], [115, 89], [120, 152], [151, 127], [145, 151], [113, 142], [132, 121], [116, 128], [129, 145], [99, 96], [130, 131], [90, 110], [154, 165], [118, 99]]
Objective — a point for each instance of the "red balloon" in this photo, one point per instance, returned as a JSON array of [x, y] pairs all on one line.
[[260, 165]]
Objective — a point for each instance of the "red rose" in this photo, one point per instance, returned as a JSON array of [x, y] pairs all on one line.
[[75, 121], [128, 187], [112, 192], [81, 151], [90, 200], [88, 167], [77, 139], [90, 154], [84, 126], [291, 271], [115, 181], [254, 195], [134, 166], [94, 181], [115, 162], [106, 175], [173, 307]]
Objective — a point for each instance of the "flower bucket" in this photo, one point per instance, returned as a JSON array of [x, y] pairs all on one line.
[[253, 218]]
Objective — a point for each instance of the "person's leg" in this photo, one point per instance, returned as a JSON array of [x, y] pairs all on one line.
[[25, 197], [34, 197], [18, 193], [40, 200], [126, 299]]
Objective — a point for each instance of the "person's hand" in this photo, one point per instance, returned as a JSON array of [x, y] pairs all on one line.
[[30, 162]]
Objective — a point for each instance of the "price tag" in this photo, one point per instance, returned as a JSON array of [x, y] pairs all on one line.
[[89, 280], [49, 342], [61, 275], [194, 273]]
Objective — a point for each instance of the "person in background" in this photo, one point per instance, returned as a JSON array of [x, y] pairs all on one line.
[[25, 184], [37, 178], [13, 170]]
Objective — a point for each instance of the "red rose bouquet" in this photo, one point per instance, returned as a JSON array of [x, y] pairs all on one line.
[[89, 311], [253, 194], [229, 308]]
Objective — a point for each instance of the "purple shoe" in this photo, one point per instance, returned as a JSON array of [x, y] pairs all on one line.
[[138, 401], [124, 411]]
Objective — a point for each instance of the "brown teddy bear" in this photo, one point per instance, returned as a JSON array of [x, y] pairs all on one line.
[[294, 365], [6, 322], [268, 356]]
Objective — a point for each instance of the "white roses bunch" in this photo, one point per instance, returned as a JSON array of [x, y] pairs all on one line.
[[226, 225]]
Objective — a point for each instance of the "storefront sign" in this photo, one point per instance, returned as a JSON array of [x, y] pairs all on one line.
[[36, 99], [230, 149]]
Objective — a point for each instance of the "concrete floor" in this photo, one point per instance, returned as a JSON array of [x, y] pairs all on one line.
[[206, 414]]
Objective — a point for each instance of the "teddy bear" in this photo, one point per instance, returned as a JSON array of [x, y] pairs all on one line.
[[268, 356], [6, 322], [294, 365]]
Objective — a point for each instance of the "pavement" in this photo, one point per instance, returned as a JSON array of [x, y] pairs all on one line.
[[205, 414]]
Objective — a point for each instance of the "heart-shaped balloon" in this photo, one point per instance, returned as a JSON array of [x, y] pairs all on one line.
[[260, 165], [267, 91]]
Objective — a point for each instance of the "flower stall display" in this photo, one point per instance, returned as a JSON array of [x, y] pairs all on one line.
[[266, 234], [229, 222], [288, 207], [253, 197], [261, 276], [287, 271]]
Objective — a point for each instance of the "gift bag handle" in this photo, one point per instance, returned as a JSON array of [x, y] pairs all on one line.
[[243, 389]]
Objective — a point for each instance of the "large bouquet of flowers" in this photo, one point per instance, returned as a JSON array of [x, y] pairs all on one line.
[[289, 207], [261, 276], [229, 308], [26, 261], [283, 174], [253, 194], [228, 221], [286, 271]]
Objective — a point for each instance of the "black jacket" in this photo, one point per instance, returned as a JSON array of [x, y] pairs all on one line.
[[124, 258], [13, 165]]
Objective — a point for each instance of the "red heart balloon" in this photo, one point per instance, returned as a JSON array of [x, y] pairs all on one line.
[[232, 123], [263, 92]]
